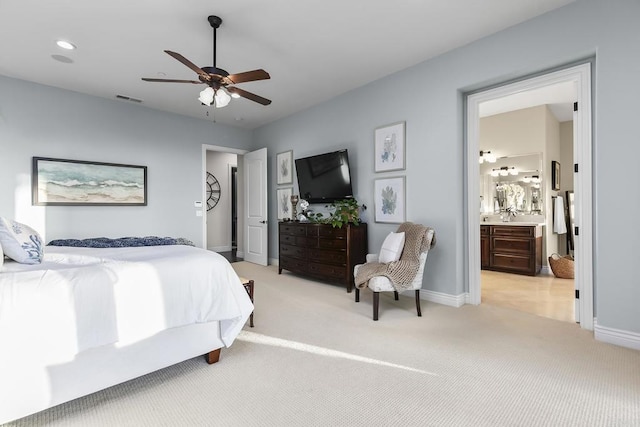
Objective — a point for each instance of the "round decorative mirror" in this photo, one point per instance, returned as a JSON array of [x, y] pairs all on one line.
[[213, 191]]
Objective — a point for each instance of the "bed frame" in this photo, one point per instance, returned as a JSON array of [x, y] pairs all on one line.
[[30, 383]]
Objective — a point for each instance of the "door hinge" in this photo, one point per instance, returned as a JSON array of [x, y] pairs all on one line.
[[576, 231], [577, 293], [575, 106], [575, 168]]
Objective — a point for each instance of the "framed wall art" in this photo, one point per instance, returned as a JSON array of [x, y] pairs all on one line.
[[389, 147], [283, 197], [389, 200], [555, 175], [65, 182], [284, 167]]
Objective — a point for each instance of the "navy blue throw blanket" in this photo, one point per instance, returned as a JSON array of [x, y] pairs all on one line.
[[123, 242]]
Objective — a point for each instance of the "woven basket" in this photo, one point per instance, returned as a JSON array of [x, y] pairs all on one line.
[[562, 266]]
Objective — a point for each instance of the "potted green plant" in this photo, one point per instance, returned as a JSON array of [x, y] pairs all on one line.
[[345, 211]]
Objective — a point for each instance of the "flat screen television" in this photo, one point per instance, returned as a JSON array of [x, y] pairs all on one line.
[[324, 178]]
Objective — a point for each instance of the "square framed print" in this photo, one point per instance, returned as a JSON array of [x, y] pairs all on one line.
[[555, 175], [284, 203], [284, 166], [389, 147], [389, 199], [63, 182]]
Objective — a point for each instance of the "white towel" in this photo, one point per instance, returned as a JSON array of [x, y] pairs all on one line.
[[559, 225]]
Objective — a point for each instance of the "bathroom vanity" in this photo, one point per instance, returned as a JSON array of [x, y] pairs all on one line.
[[511, 247]]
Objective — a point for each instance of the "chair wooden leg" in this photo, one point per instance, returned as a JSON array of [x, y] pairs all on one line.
[[395, 295], [418, 302], [376, 303], [357, 294]]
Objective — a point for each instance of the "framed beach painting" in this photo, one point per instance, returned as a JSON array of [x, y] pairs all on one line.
[[65, 182], [284, 166], [389, 200], [283, 198], [389, 147]]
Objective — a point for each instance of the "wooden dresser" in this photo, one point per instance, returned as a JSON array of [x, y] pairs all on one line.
[[321, 251], [511, 248]]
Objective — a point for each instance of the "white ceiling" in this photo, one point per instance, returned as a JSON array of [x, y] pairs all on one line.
[[559, 97], [313, 50]]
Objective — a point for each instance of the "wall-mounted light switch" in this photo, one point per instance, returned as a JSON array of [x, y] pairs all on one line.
[[198, 213]]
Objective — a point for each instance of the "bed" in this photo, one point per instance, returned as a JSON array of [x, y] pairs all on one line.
[[85, 319]]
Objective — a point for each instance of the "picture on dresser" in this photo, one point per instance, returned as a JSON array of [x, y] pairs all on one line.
[[283, 198], [389, 199]]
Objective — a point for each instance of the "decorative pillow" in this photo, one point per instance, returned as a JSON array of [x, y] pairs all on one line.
[[20, 242], [392, 247]]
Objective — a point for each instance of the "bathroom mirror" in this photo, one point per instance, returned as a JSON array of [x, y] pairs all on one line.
[[512, 182]]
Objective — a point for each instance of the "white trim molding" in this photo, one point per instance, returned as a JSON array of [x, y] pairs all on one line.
[[220, 248], [456, 301], [583, 189], [617, 336]]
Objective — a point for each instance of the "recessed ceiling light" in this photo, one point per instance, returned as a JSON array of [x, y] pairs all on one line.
[[65, 45]]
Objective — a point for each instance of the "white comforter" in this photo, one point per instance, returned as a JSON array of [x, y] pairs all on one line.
[[80, 298]]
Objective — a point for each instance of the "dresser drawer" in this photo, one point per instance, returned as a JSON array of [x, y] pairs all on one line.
[[325, 270], [292, 264], [511, 244], [484, 230], [327, 256], [293, 251], [333, 233], [511, 262], [514, 230], [332, 244], [297, 230]]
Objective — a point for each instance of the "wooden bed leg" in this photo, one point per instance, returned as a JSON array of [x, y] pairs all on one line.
[[213, 356]]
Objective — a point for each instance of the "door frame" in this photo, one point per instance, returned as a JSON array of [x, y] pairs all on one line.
[[583, 188], [203, 179]]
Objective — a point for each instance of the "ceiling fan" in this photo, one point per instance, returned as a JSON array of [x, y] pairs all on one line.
[[218, 80]]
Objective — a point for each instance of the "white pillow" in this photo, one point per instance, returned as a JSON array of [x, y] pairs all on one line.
[[20, 242], [392, 247]]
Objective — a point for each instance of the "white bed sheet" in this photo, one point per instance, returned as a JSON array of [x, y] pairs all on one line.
[[80, 298]]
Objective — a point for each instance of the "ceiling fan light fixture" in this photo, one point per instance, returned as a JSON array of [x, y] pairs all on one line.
[[222, 98], [207, 96]]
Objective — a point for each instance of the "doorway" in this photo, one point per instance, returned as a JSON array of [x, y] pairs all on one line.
[[580, 76]]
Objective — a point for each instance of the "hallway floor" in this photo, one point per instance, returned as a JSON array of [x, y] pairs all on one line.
[[543, 295]]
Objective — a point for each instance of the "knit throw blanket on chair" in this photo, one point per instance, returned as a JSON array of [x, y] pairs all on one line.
[[402, 272]]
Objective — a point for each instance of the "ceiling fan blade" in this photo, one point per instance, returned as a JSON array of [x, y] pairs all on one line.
[[171, 81], [248, 76], [188, 63], [249, 95]]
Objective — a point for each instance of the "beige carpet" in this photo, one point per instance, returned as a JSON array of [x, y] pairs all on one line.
[[315, 358]]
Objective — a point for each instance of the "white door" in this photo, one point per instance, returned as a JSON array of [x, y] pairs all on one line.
[[256, 221], [570, 206]]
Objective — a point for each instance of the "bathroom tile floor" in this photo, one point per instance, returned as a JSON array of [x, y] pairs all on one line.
[[543, 295]]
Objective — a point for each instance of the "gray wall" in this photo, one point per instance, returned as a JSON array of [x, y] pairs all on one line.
[[38, 120], [429, 97]]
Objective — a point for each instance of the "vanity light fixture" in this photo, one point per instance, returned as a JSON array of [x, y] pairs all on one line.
[[513, 171], [486, 156], [504, 171]]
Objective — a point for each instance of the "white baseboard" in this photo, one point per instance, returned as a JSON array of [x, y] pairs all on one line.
[[274, 261], [617, 336], [240, 254], [220, 248], [444, 299], [546, 270]]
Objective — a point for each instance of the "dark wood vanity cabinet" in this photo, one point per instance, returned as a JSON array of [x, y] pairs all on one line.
[[322, 251], [484, 246], [511, 248]]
